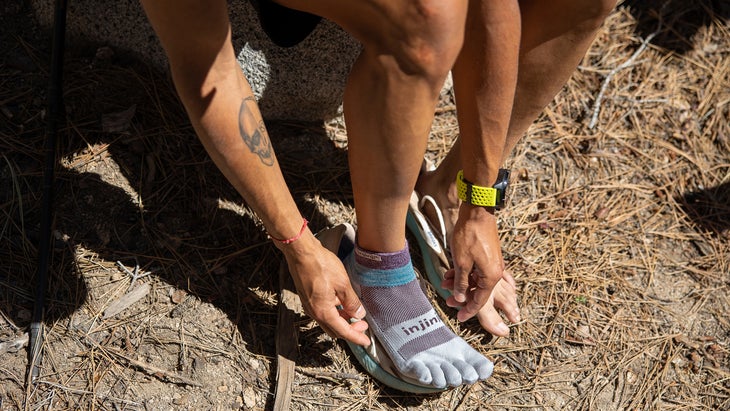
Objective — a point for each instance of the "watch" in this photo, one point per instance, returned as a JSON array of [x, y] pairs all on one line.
[[483, 196]]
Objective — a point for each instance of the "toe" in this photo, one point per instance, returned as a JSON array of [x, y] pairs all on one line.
[[468, 373], [452, 374], [480, 363], [491, 321], [420, 372], [438, 378], [484, 369]]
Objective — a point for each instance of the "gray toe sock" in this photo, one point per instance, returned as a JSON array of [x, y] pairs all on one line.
[[421, 346]]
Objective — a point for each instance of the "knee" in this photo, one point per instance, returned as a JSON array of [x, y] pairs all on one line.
[[592, 13], [428, 39]]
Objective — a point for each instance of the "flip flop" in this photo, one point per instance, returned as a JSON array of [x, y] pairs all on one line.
[[341, 240], [431, 242]]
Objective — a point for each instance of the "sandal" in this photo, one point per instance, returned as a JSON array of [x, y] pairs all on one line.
[[341, 240], [431, 241]]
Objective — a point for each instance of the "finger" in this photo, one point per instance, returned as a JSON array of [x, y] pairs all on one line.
[[507, 276], [351, 305], [477, 298], [451, 302], [491, 321], [352, 332], [448, 282], [462, 270]]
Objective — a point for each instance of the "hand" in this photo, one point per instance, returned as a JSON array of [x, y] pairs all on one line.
[[323, 284], [477, 257], [503, 297]]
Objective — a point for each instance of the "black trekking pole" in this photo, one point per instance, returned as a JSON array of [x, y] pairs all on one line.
[[55, 109]]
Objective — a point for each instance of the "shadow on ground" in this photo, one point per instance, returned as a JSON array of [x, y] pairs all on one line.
[[680, 20], [173, 212], [709, 208]]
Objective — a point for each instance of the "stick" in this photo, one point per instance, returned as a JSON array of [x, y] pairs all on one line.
[[55, 107], [286, 339], [609, 76], [150, 369]]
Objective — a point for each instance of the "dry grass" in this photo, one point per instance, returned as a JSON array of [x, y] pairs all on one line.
[[617, 233]]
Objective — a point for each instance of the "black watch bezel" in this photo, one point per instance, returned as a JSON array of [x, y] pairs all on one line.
[[501, 187]]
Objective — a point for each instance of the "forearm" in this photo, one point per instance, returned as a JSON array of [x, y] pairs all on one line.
[[196, 35], [485, 77], [226, 118]]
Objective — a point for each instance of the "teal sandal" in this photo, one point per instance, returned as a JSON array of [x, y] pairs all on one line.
[[341, 240]]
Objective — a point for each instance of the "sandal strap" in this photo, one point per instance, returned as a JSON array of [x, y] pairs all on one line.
[[439, 215]]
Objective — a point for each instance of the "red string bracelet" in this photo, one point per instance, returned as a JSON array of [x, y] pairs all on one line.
[[296, 237]]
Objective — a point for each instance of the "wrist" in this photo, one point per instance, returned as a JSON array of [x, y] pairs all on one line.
[[299, 248], [480, 174], [475, 212], [289, 240], [492, 196]]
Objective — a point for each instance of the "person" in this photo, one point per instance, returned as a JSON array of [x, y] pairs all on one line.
[[508, 59]]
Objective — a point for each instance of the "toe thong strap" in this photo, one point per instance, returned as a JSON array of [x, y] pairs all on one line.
[[439, 215]]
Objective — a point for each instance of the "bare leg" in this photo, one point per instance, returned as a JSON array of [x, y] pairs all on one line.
[[390, 99], [555, 36]]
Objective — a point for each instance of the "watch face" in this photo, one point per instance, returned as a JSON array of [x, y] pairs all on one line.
[[501, 186]]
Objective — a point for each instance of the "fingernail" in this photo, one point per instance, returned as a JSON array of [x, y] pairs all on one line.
[[502, 327], [460, 297], [360, 313]]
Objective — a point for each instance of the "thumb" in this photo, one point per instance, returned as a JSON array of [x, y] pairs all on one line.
[[462, 270], [351, 305]]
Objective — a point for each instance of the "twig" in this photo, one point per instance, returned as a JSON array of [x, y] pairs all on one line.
[[9, 321], [85, 392], [135, 275], [609, 76], [150, 369], [333, 376]]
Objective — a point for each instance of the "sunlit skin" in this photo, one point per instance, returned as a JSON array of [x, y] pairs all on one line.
[[509, 58]]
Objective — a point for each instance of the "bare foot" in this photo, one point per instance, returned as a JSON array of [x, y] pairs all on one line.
[[504, 295]]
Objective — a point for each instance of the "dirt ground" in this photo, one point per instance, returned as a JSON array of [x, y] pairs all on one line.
[[617, 232]]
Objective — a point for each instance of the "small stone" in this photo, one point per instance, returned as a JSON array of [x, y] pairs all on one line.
[[601, 213], [249, 397], [223, 388], [178, 296], [180, 399], [583, 331], [254, 364]]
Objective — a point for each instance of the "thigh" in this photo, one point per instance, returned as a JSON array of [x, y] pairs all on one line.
[[382, 22], [543, 20]]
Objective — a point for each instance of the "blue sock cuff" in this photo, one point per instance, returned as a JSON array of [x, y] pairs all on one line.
[[374, 277]]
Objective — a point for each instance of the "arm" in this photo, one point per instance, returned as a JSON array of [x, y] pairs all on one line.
[[485, 77], [196, 35]]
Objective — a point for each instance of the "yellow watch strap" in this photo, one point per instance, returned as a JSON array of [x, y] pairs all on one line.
[[475, 195]]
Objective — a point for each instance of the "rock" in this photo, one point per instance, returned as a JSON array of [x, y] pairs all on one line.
[[180, 399], [304, 82], [249, 397]]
